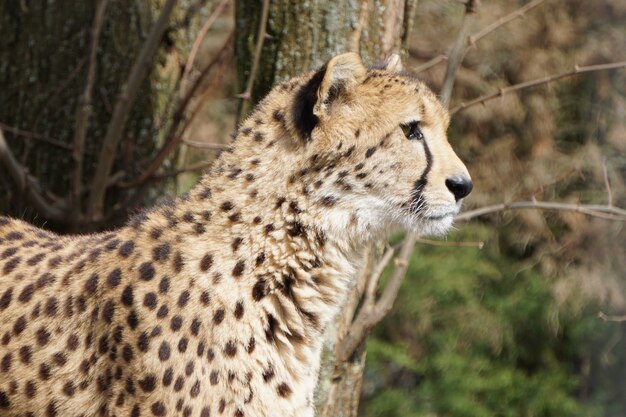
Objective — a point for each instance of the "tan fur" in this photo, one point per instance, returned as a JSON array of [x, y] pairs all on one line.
[[215, 304]]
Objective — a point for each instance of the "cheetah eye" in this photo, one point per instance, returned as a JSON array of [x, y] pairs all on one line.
[[412, 131]]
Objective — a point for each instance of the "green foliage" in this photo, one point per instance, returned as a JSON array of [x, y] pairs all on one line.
[[476, 335]]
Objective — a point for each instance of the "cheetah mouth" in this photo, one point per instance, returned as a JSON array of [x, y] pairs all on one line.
[[439, 217], [442, 213]]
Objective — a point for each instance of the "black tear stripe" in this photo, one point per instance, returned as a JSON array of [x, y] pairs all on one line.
[[418, 198], [303, 118]]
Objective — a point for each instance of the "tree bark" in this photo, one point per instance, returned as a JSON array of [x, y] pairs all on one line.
[[300, 36], [44, 71]]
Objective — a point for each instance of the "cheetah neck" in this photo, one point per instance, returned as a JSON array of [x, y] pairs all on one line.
[[262, 248]]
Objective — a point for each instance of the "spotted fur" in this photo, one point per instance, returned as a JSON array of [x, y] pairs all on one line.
[[215, 304]]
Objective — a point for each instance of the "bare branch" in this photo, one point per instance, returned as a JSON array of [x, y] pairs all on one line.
[[173, 136], [205, 145], [372, 282], [474, 38], [33, 135], [354, 40], [606, 317], [457, 53], [83, 110], [539, 81], [431, 242], [158, 176], [365, 320], [30, 186], [393, 16], [607, 184], [247, 94], [431, 63], [184, 79], [503, 21], [125, 100], [594, 210]]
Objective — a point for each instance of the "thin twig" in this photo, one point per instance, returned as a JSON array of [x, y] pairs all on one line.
[[173, 136], [430, 63], [457, 53], [205, 145], [607, 184], [28, 185], [33, 135], [354, 39], [184, 79], [127, 96], [377, 272], [52, 96], [190, 168], [503, 21], [606, 317], [246, 96], [431, 242], [594, 210], [158, 176], [83, 110], [539, 81], [474, 38]]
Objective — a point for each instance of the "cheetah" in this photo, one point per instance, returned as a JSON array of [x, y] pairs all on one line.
[[215, 303]]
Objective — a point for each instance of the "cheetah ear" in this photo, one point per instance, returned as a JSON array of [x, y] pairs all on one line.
[[393, 63], [341, 74]]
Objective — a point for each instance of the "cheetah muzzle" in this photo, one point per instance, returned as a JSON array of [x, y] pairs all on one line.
[[215, 303]]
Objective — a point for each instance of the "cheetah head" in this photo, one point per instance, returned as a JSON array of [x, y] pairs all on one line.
[[374, 147]]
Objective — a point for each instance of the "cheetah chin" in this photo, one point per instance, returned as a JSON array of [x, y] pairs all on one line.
[[215, 303]]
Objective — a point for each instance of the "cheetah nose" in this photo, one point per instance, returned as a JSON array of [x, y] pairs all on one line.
[[459, 186]]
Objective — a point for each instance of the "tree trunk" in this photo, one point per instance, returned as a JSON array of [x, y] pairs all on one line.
[[43, 71], [300, 36]]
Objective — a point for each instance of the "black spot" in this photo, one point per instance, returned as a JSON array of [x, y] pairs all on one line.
[[132, 320], [239, 268], [91, 285], [163, 310], [27, 293], [370, 151], [127, 248], [183, 299], [206, 262], [236, 243], [205, 298], [260, 259], [239, 310], [259, 290], [182, 344], [161, 252], [230, 349], [146, 271], [164, 285], [114, 277], [148, 383], [127, 296], [283, 390], [176, 323], [178, 262], [143, 342], [218, 316], [329, 201]]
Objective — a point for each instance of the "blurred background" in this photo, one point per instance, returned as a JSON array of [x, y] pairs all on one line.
[[108, 106]]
